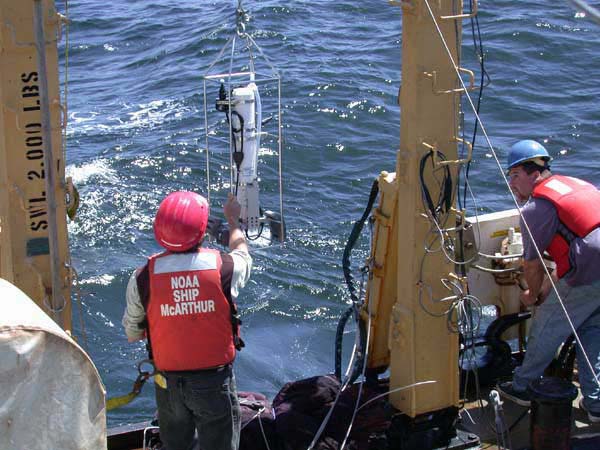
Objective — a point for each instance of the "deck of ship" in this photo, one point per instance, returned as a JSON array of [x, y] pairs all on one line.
[[478, 418]]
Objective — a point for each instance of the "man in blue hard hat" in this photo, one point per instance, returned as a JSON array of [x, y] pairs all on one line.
[[563, 216]]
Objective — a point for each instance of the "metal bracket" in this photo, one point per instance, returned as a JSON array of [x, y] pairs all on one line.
[[472, 14], [381, 218], [462, 219], [433, 77], [60, 20], [63, 113], [437, 162]]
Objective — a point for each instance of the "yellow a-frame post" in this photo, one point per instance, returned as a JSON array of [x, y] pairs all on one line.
[[405, 283], [34, 250]]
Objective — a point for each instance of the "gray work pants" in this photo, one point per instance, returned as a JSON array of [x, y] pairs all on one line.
[[205, 401]]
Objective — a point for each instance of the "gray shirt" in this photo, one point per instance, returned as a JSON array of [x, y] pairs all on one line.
[[584, 253]]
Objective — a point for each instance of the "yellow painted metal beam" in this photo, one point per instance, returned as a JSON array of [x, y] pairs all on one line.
[[421, 346], [24, 215], [417, 344]]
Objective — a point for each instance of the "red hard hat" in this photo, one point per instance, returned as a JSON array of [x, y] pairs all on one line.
[[181, 221]]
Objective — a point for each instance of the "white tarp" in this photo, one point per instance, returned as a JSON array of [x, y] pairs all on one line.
[[51, 396]]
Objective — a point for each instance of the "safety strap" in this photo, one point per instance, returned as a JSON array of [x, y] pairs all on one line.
[[117, 402], [565, 232]]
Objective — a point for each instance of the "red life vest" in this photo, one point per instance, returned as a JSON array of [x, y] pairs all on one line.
[[189, 315], [572, 199]]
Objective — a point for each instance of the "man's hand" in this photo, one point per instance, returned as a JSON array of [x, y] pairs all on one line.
[[232, 210], [527, 299], [137, 338], [534, 276]]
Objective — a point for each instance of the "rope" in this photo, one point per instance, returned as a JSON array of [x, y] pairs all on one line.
[[260, 424], [364, 369], [350, 377], [495, 156], [326, 419], [465, 308], [262, 430], [499, 420], [258, 413], [402, 388]]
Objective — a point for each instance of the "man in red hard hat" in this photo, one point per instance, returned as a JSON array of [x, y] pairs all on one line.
[[183, 301]]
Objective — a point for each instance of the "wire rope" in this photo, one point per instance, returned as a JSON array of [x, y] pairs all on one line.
[[343, 387], [364, 369], [402, 388], [349, 376]]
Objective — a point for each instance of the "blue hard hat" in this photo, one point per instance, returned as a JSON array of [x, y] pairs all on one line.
[[526, 150]]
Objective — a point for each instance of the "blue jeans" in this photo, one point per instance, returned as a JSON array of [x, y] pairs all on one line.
[[202, 401], [550, 328]]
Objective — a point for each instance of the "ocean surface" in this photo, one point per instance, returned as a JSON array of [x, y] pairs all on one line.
[[136, 132]]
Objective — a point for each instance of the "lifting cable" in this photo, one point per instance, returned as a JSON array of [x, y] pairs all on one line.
[[484, 82], [360, 363], [224, 105], [363, 363], [479, 52], [495, 156]]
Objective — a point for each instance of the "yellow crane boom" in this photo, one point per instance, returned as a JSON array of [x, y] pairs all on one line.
[[34, 251], [409, 330]]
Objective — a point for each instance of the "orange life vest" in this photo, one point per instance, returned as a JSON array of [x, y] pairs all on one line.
[[189, 314], [576, 202]]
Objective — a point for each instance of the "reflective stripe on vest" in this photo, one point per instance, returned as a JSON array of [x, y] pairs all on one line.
[[188, 313], [572, 198]]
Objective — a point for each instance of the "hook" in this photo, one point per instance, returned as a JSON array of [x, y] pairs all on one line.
[[242, 18]]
